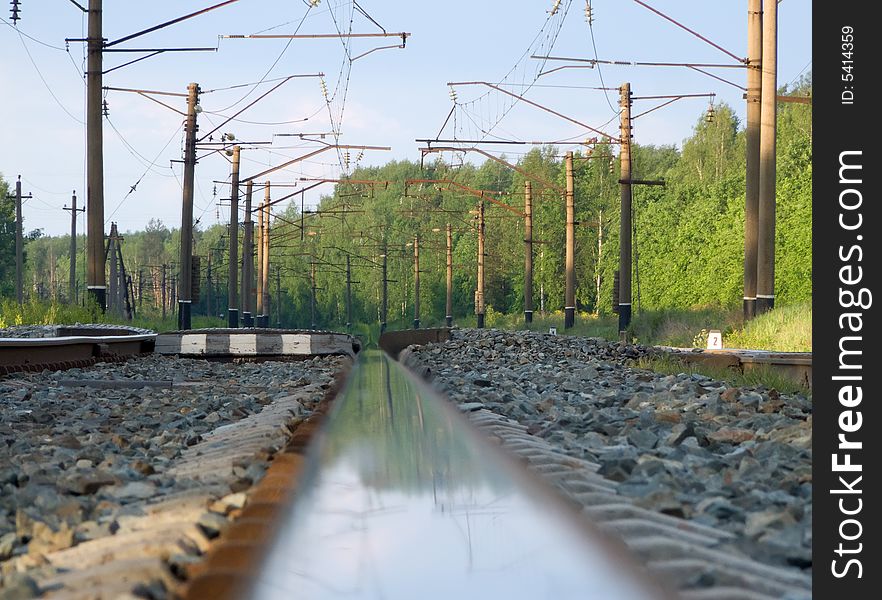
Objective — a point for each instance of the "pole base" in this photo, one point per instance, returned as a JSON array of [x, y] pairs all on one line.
[[247, 319], [448, 321], [416, 323], [749, 308], [382, 327], [184, 316], [528, 316], [764, 305], [233, 318], [624, 317], [569, 317], [480, 321], [262, 321], [99, 295]]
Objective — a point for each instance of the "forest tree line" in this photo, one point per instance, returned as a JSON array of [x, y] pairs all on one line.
[[688, 235]]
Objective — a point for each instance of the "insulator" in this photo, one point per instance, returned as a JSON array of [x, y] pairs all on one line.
[[709, 117], [453, 93], [555, 7], [105, 109], [15, 11], [314, 2], [324, 88], [214, 191], [589, 14]]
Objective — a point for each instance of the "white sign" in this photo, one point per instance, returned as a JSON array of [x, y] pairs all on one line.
[[552, 330], [714, 340]]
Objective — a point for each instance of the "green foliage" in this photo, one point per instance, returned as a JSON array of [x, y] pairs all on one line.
[[765, 377], [7, 242], [785, 329], [688, 241], [38, 312]]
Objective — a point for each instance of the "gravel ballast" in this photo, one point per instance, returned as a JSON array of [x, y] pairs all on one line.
[[735, 459], [89, 455]]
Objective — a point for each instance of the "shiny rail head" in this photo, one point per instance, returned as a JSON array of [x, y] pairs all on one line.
[[402, 498]]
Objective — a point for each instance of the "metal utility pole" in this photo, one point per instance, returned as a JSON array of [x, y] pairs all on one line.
[[264, 285], [210, 291], [449, 304], [312, 294], [233, 270], [185, 290], [248, 261], [164, 292], [384, 304], [479, 293], [259, 292], [72, 294], [19, 245], [348, 294], [625, 212], [113, 305], [279, 297], [752, 134], [599, 256], [416, 281], [765, 269], [528, 252], [570, 262], [95, 278]]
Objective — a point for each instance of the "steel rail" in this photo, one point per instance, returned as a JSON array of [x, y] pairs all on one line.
[[398, 496], [70, 351]]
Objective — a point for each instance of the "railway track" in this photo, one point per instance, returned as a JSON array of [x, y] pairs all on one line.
[[75, 346], [387, 491]]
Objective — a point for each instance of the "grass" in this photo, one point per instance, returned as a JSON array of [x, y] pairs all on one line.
[[764, 376], [37, 312], [785, 329]]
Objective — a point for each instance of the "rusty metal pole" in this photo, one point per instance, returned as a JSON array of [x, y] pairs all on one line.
[[528, 252], [278, 297], [752, 137], [185, 282], [312, 294], [164, 295], [599, 256], [480, 308], [416, 281], [248, 261], [259, 291], [233, 266], [449, 303], [570, 291], [765, 270], [348, 294], [113, 291], [264, 286], [384, 305], [625, 213], [96, 281], [19, 245], [72, 276], [208, 282]]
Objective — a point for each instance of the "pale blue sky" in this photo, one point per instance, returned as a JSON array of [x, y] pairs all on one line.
[[393, 96]]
